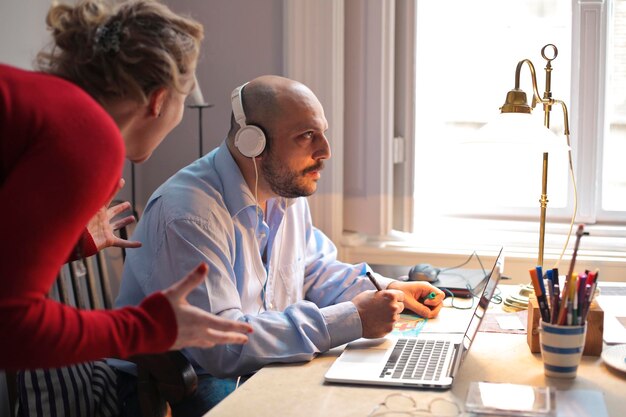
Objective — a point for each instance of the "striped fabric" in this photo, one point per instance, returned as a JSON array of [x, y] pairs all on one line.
[[83, 390]]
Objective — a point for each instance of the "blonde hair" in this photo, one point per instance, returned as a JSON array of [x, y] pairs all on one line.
[[121, 50]]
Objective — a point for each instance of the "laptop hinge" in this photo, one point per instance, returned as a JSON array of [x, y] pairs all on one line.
[[454, 363]]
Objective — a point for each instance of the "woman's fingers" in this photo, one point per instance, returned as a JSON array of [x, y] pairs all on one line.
[[222, 324], [126, 244], [117, 209], [221, 338], [118, 224], [183, 287]]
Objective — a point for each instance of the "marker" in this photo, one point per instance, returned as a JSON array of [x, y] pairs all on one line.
[[557, 295], [369, 275], [544, 310], [430, 296]]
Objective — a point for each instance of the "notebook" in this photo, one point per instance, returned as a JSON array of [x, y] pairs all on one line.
[[428, 360]]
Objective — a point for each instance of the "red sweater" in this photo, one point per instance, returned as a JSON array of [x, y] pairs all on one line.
[[61, 156]]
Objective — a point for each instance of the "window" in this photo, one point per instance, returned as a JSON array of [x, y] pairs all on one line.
[[460, 83], [396, 168], [463, 69], [613, 171]]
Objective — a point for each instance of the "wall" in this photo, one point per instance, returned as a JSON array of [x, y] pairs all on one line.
[[243, 39]]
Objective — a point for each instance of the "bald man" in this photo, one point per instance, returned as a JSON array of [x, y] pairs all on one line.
[[240, 210]]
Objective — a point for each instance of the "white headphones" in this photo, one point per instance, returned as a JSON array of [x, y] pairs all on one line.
[[250, 139]]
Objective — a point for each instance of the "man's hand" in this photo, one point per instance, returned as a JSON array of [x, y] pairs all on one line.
[[416, 297], [101, 228], [378, 310], [196, 327]]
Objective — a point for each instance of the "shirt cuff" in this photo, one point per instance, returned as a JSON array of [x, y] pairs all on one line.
[[343, 323]]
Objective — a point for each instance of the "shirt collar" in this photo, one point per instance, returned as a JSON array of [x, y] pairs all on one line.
[[237, 195]]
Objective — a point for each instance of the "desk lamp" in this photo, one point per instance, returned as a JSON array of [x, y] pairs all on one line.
[[515, 126]]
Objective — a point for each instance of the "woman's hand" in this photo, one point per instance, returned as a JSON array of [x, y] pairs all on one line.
[[196, 327], [101, 228]]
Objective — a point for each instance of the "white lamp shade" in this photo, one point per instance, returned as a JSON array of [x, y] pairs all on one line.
[[519, 130], [195, 97]]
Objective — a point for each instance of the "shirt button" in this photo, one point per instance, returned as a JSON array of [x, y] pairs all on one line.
[[271, 305]]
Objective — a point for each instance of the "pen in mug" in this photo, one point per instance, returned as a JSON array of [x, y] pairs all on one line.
[[557, 295], [371, 277], [557, 304], [550, 285], [582, 282], [591, 293], [556, 282], [541, 297]]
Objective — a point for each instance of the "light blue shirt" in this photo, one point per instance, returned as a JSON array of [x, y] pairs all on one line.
[[280, 274]]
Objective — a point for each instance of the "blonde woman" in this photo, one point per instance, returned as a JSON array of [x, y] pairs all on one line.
[[113, 84]]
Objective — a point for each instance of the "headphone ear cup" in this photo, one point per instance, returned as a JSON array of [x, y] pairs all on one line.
[[250, 140]]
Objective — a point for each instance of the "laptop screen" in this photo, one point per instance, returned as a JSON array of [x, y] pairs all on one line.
[[483, 303]]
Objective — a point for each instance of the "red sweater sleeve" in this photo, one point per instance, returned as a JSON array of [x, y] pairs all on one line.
[[85, 247], [61, 156]]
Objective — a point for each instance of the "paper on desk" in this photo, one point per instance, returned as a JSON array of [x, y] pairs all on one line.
[[408, 325], [614, 309], [510, 322], [580, 403], [449, 320]]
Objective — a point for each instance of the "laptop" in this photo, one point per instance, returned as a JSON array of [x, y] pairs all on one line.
[[463, 283], [427, 360]]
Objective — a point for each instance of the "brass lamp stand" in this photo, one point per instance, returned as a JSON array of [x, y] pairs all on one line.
[[516, 102]]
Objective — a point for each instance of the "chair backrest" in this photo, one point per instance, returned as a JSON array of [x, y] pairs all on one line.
[[162, 378], [84, 284]]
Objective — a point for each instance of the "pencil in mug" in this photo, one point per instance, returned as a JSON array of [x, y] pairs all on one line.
[[566, 299], [562, 318]]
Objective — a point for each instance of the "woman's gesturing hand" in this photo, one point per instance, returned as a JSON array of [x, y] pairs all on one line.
[[196, 327]]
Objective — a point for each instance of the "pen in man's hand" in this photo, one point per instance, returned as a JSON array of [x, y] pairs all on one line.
[[369, 275]]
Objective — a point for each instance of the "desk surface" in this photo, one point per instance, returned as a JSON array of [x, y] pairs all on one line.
[[299, 389]]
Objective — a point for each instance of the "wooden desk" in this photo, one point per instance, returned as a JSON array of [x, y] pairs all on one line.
[[300, 390]]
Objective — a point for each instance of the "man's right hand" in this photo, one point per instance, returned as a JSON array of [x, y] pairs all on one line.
[[379, 310]]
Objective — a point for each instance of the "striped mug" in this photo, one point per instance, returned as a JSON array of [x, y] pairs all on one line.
[[561, 349]]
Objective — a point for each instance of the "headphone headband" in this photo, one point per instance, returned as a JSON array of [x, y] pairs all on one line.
[[237, 105], [249, 139]]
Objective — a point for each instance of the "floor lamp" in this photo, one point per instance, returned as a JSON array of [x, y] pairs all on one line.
[[197, 102], [515, 126]]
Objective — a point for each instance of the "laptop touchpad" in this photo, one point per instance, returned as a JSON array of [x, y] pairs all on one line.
[[363, 355]]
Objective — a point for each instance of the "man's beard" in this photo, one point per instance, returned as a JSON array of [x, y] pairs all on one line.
[[284, 182]]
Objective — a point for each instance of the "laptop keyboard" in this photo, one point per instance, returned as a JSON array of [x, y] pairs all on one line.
[[416, 359]]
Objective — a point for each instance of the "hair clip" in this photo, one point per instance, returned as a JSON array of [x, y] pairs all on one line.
[[107, 37]]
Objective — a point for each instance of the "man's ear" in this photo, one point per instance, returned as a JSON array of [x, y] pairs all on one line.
[[157, 102]]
